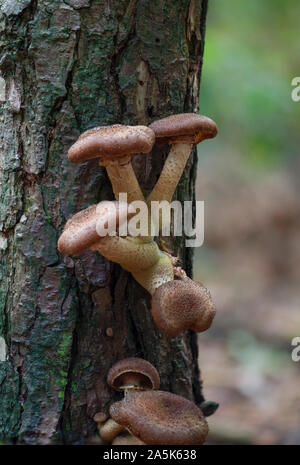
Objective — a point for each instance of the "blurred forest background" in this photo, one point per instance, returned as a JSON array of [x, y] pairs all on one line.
[[249, 179]]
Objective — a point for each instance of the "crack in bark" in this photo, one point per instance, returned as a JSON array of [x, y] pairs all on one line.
[[120, 46]]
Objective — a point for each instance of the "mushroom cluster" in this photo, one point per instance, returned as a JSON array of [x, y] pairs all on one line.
[[127, 375], [147, 415], [178, 303]]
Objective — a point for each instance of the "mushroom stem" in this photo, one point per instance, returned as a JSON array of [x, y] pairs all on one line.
[[171, 172], [127, 440], [129, 252], [109, 430], [161, 272], [123, 180], [147, 263]]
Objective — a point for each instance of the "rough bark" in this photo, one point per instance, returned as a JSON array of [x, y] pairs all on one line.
[[68, 66]]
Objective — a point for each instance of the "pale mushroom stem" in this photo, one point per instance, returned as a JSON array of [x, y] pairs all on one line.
[[129, 252], [171, 172], [123, 180], [109, 430], [127, 440], [147, 263], [161, 272]]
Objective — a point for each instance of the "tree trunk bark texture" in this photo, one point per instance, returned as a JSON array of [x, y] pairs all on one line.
[[67, 66]]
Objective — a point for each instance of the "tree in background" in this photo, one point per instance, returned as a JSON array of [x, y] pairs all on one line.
[[67, 66]]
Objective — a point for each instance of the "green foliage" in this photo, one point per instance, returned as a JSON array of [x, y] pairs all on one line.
[[250, 59]]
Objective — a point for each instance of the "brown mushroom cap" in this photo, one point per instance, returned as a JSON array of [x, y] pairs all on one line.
[[180, 305], [184, 127], [133, 373], [158, 417], [80, 232], [111, 142]]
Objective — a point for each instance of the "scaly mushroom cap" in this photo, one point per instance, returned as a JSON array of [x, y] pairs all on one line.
[[158, 417], [133, 373], [180, 305], [80, 232], [111, 142], [184, 127]]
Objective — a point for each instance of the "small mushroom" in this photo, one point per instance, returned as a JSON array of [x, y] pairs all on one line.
[[129, 374], [109, 430], [182, 304], [100, 417], [133, 374], [158, 417], [114, 146], [143, 259], [182, 132], [109, 332]]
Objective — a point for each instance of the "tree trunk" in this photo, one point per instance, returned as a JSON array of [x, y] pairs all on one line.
[[66, 66]]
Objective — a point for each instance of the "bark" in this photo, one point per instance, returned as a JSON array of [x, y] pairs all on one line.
[[65, 67]]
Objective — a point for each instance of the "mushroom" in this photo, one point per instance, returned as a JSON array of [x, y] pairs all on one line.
[[100, 417], [158, 417], [133, 374], [147, 263], [182, 132], [178, 304], [127, 375], [114, 146], [127, 440], [109, 430], [182, 304]]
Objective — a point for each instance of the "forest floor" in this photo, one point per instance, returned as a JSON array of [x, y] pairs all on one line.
[[250, 262]]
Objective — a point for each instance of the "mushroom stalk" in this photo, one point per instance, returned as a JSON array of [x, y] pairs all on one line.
[[161, 272], [146, 262], [127, 440], [84, 231], [109, 430], [132, 254], [123, 180], [171, 172]]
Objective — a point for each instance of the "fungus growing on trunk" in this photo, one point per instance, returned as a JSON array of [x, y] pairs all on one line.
[[133, 374], [144, 260], [158, 417], [182, 304], [114, 146], [127, 375], [182, 132]]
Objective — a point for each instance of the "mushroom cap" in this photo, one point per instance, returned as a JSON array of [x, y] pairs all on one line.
[[184, 127], [180, 305], [133, 373], [80, 231], [158, 417], [111, 142]]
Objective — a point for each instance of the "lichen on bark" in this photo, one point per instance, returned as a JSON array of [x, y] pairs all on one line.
[[68, 66]]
